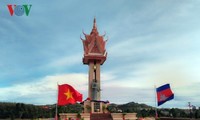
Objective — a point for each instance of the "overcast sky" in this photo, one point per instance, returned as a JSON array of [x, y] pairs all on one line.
[[149, 43]]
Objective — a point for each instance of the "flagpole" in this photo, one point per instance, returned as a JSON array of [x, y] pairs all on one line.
[[57, 104], [156, 113]]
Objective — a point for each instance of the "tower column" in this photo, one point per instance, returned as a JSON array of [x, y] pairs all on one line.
[[94, 92], [98, 80], [90, 79]]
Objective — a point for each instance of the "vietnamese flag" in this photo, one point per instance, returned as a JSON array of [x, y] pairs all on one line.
[[68, 95], [164, 94]]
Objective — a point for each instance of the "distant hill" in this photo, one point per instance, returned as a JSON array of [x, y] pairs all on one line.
[[128, 107]]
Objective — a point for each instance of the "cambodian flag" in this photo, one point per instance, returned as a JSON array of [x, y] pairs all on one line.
[[164, 94]]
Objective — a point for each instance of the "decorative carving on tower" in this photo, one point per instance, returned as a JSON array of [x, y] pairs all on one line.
[[94, 46]]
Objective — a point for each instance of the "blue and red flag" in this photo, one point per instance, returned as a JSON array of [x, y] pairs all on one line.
[[164, 94]]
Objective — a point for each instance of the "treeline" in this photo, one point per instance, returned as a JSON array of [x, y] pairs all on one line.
[[21, 110], [143, 110], [29, 111], [179, 113]]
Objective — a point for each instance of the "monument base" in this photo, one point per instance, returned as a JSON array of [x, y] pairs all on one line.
[[96, 116], [74, 116], [94, 106]]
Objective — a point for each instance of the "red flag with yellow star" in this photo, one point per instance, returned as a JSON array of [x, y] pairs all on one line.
[[68, 95]]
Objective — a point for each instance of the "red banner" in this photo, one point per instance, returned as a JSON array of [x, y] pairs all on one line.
[[68, 95]]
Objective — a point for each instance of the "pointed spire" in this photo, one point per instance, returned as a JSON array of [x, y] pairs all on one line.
[[94, 29], [94, 24]]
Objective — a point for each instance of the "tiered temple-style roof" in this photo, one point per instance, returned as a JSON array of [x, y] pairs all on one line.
[[94, 46]]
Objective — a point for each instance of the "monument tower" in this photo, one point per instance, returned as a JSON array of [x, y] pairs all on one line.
[[94, 56]]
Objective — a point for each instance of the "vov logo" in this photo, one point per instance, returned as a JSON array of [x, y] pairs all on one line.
[[19, 10]]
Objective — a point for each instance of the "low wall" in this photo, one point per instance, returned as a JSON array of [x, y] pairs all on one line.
[[127, 116], [64, 116], [175, 118]]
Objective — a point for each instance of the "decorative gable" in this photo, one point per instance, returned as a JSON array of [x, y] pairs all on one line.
[[94, 46]]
